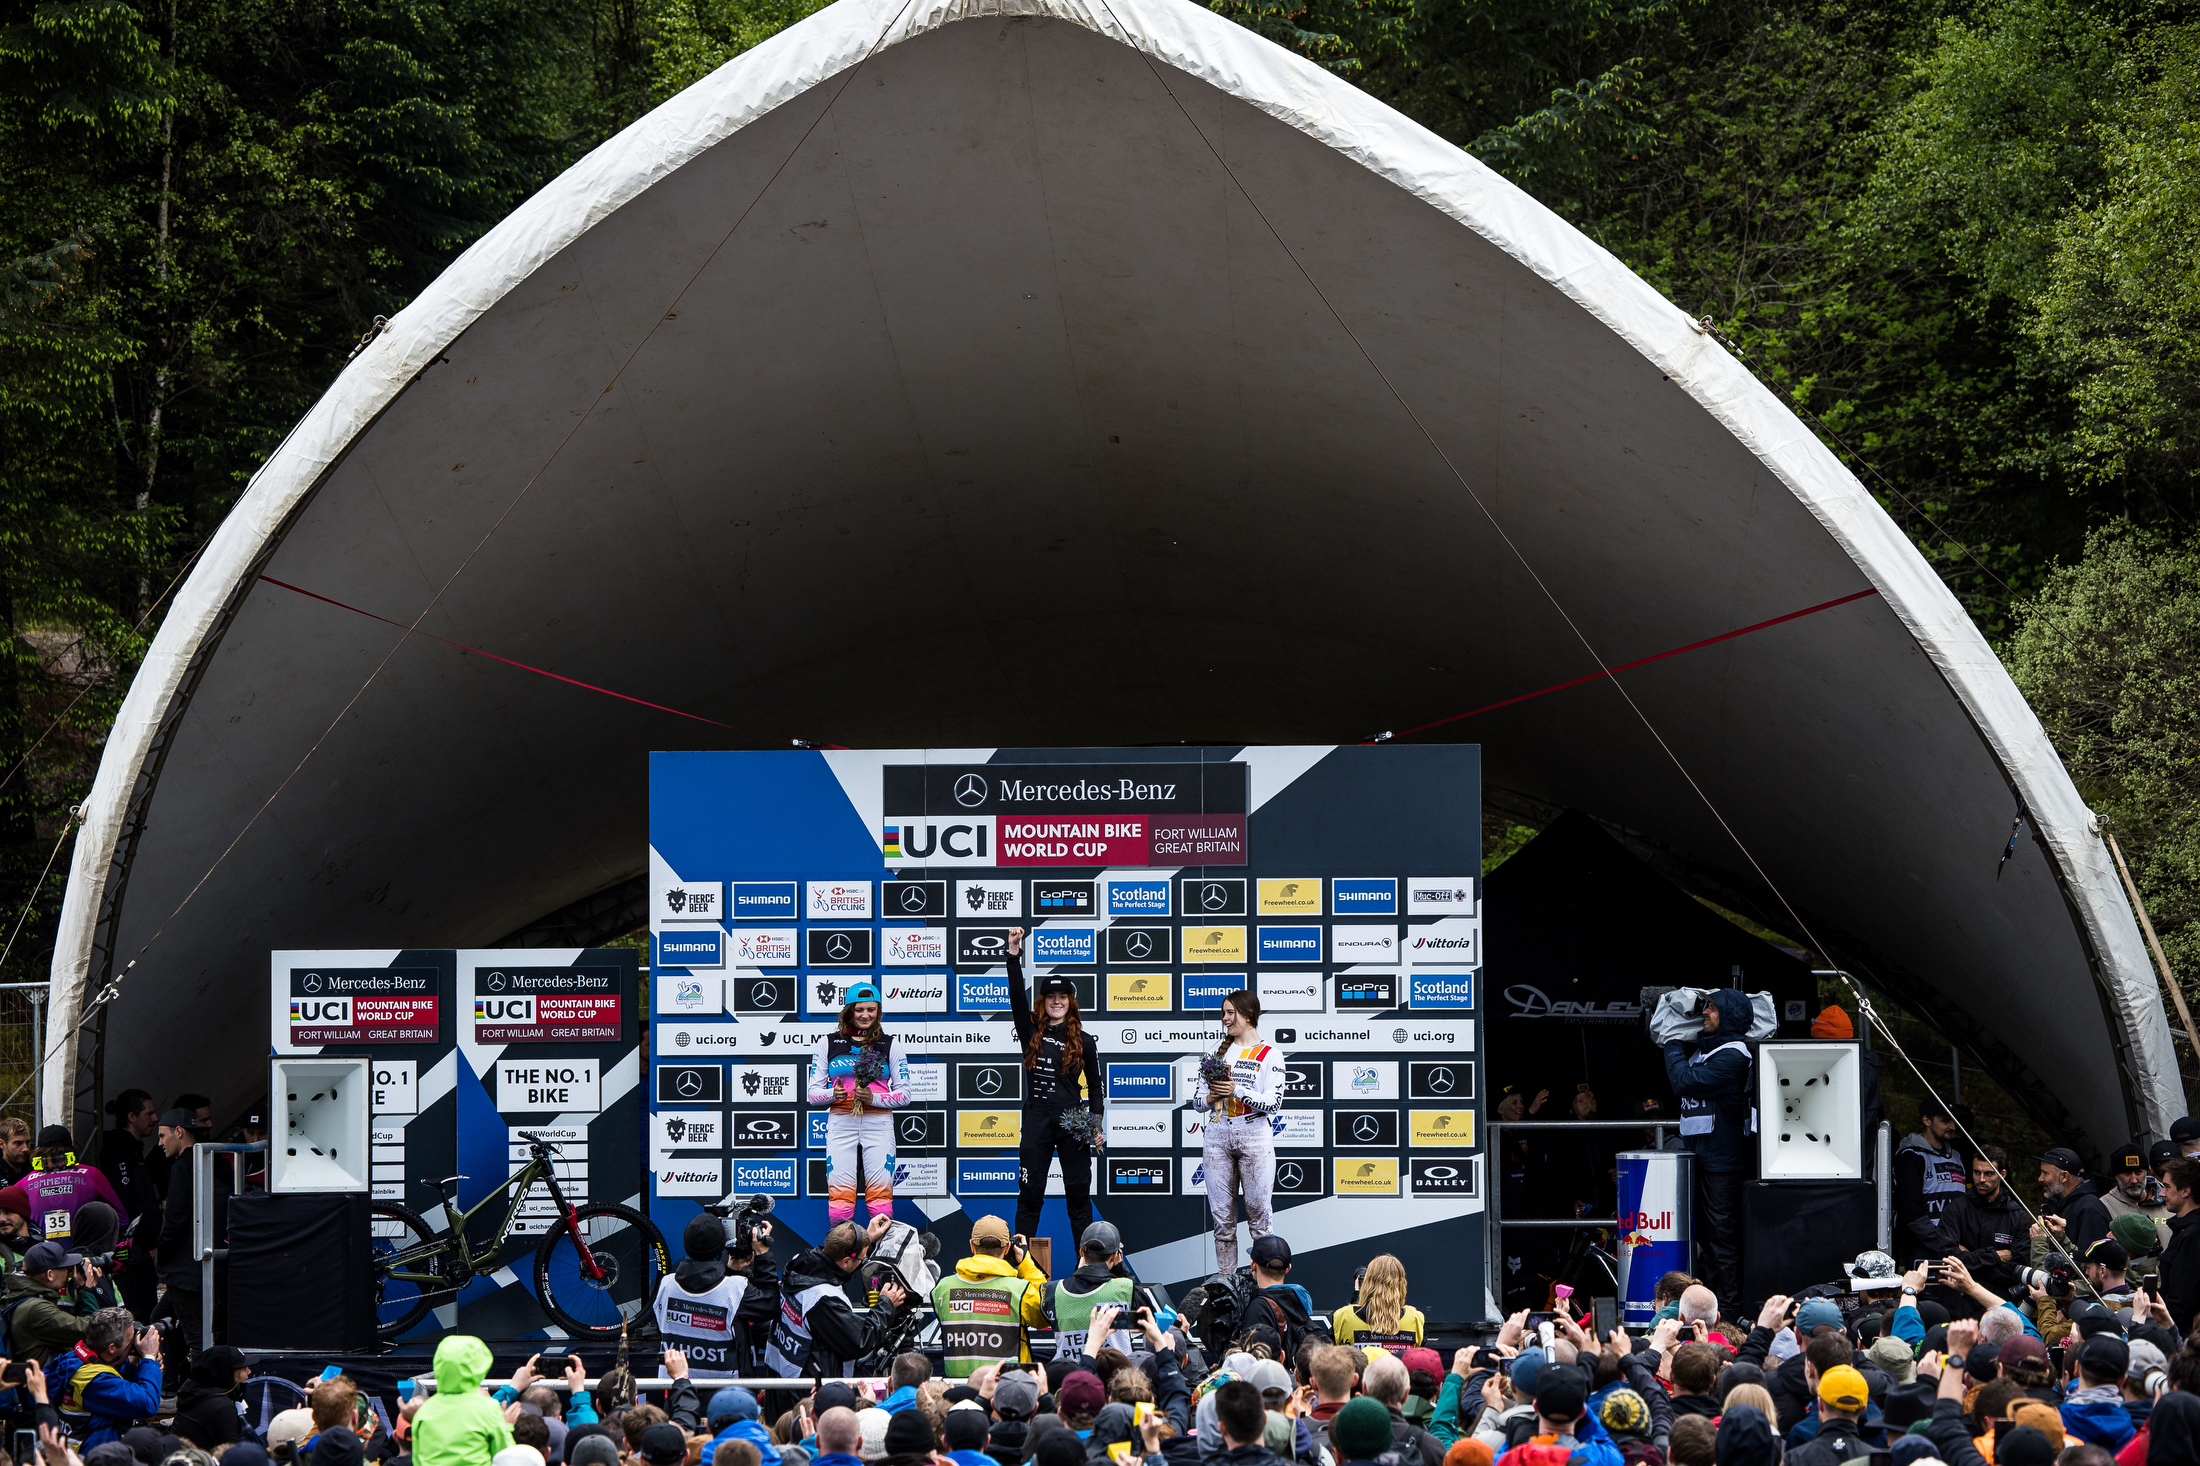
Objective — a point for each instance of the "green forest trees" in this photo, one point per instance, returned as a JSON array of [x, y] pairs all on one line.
[[1963, 238]]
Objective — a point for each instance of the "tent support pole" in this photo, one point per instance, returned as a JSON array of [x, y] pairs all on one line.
[[2154, 944]]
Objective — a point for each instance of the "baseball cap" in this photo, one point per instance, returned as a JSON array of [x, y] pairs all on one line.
[[2110, 1253], [1816, 1313], [1055, 982], [2020, 1348], [47, 1256], [1103, 1236], [1560, 1392], [2145, 1357], [1016, 1396], [731, 1403], [860, 992], [1426, 1360], [1270, 1250], [1526, 1365], [1080, 1394], [989, 1229], [2041, 1416], [182, 1120], [966, 1426], [833, 1394], [1843, 1388], [1984, 1360], [2128, 1158], [664, 1444], [2161, 1152], [2064, 1158], [2106, 1355], [1267, 1375], [2184, 1128]]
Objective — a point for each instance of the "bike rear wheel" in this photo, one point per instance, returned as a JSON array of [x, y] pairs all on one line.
[[399, 1303], [630, 1256]]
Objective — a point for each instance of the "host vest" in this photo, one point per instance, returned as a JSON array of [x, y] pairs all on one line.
[[981, 1322], [702, 1324], [787, 1354]]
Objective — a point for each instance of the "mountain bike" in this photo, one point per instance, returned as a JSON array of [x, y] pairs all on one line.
[[596, 1270]]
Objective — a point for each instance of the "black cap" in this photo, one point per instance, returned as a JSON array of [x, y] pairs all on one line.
[[55, 1137], [1561, 1393], [664, 1444], [1905, 1405], [181, 1119], [2064, 1158], [2095, 1322], [2109, 1253], [1271, 1250], [1054, 982], [2184, 1128], [2026, 1445], [2160, 1153], [46, 1256], [2130, 1158]]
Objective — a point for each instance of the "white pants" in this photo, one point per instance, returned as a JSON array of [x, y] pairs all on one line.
[[1238, 1154], [874, 1131]]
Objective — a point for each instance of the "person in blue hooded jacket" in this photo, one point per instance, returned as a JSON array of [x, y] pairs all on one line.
[[2094, 1411], [733, 1414], [1712, 1079]]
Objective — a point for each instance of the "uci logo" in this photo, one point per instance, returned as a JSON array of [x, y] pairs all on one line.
[[321, 1010], [518, 1010]]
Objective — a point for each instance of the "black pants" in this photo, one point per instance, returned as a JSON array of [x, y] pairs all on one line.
[[1719, 1234], [1043, 1140], [138, 1284]]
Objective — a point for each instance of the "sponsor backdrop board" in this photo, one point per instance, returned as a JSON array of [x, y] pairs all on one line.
[[1342, 884], [399, 1011], [465, 1049]]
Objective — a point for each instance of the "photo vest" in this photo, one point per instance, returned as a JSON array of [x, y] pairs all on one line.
[[981, 1321]]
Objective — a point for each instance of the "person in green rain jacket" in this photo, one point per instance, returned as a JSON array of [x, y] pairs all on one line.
[[459, 1425]]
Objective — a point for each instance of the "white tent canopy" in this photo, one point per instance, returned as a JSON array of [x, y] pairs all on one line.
[[981, 374]]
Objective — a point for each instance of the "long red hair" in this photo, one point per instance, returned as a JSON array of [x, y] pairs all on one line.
[[1073, 1037]]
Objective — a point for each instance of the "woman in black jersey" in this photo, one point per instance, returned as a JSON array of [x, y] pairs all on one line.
[[1062, 1097]]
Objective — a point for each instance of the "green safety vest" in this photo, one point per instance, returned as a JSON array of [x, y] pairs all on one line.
[[981, 1321], [1072, 1313]]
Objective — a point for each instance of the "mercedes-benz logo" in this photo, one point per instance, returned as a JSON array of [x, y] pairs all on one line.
[[1439, 1081], [912, 898], [1289, 1177], [989, 1081], [837, 946], [763, 994], [496, 982], [1365, 1128], [1214, 896], [689, 1084], [970, 790], [313, 982], [1138, 944]]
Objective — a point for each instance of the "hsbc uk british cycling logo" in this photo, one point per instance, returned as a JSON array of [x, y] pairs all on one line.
[[970, 790]]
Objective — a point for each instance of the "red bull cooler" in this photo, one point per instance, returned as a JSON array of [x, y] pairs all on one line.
[[1656, 1192]]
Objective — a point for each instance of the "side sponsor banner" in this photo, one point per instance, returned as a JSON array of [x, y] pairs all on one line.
[[1366, 1078]]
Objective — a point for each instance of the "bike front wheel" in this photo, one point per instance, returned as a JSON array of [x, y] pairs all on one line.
[[403, 1248], [629, 1260]]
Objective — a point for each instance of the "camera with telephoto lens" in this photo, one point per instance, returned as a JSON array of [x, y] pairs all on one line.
[[2058, 1276]]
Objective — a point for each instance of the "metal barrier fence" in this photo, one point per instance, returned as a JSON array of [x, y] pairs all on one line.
[[22, 1042], [1496, 1185]]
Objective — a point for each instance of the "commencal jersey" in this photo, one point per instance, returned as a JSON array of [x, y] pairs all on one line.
[[832, 1076], [55, 1197], [1257, 1068]]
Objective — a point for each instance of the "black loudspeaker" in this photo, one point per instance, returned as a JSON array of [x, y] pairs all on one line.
[[301, 1273], [1795, 1233]]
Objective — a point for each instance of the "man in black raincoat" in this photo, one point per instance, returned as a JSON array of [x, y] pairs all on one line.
[[1713, 1078]]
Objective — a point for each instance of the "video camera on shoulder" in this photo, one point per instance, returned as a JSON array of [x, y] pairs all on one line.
[[742, 1218]]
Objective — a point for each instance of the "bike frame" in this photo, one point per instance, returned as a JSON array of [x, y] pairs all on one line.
[[454, 1240]]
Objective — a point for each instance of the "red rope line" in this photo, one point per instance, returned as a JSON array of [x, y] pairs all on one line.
[[492, 656], [1644, 661]]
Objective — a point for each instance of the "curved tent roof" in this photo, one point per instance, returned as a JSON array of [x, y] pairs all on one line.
[[1046, 372]]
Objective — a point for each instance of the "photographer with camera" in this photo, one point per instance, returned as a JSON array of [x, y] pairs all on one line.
[[40, 1312], [702, 1307], [989, 1301], [1067, 1306], [824, 1325], [109, 1380]]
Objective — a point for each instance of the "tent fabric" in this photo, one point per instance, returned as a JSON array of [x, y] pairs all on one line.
[[776, 109]]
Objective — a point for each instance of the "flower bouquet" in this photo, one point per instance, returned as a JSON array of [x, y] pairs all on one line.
[[870, 1069], [1080, 1122], [1213, 1070]]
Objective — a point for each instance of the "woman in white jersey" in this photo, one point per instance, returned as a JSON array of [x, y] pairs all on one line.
[[864, 1075], [1245, 1089]]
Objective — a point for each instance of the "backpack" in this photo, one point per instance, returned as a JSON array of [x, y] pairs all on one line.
[[1275, 1317]]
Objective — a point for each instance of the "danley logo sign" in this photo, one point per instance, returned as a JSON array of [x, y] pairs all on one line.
[[1525, 1001]]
